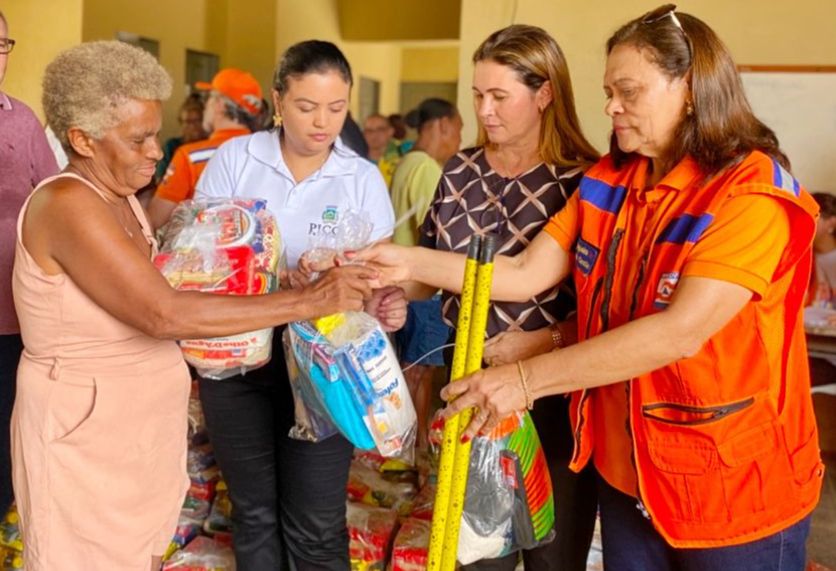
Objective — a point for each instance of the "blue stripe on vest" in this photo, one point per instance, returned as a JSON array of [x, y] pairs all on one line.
[[782, 179], [601, 195], [202, 155], [685, 228]]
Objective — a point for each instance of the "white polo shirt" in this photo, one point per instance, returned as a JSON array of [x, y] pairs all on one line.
[[252, 167]]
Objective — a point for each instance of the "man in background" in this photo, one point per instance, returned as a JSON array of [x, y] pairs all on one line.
[[25, 160], [234, 108], [383, 150]]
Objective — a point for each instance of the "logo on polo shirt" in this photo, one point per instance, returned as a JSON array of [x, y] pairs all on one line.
[[330, 215], [328, 226]]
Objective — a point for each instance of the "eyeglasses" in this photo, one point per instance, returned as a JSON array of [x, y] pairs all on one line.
[[6, 45], [668, 11]]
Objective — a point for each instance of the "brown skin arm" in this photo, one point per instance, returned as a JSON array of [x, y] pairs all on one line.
[[69, 229]]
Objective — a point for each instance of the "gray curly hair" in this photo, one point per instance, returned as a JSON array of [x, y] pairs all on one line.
[[85, 85]]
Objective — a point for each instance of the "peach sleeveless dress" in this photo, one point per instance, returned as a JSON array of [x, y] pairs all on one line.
[[98, 428]]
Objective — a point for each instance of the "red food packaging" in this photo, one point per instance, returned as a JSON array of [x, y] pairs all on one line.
[[411, 546]]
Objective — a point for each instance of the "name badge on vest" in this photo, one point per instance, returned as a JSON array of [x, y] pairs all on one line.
[[665, 289], [585, 256]]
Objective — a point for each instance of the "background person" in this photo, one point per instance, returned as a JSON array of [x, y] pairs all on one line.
[[383, 150], [690, 247], [25, 160], [190, 119], [288, 496], [99, 423], [234, 108]]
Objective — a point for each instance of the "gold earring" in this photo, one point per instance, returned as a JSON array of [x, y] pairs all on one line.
[[277, 120], [689, 109]]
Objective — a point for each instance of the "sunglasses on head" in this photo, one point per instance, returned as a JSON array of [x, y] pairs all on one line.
[[668, 11]]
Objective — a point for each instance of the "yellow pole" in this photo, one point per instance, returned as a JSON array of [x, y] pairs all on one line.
[[451, 426], [475, 349]]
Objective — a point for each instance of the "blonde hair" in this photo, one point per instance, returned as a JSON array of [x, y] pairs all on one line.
[[536, 58], [85, 85]]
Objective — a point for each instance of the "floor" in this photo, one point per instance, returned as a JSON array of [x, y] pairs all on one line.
[[821, 547]]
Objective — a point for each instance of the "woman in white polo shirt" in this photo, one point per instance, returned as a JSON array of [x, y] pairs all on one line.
[[288, 496]]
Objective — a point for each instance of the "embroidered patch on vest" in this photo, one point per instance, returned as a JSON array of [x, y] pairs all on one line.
[[665, 289], [585, 256]]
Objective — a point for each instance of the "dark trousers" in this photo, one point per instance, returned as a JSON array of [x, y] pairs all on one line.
[[575, 495], [288, 497], [632, 544], [11, 346]]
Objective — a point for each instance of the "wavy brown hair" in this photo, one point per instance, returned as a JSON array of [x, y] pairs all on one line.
[[536, 58], [722, 129]]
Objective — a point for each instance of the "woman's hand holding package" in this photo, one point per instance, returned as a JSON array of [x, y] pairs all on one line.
[[340, 289], [388, 306], [495, 392]]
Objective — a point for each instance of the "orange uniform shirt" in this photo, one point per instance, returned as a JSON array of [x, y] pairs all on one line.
[[188, 163], [743, 245]]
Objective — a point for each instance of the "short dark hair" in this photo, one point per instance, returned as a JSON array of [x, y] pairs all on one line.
[[827, 203], [312, 56], [429, 110], [722, 129]]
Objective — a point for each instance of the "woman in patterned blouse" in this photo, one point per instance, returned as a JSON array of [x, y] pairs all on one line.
[[530, 157]]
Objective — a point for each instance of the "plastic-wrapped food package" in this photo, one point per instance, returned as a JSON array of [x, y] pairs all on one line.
[[370, 532], [370, 487], [411, 545], [312, 421], [509, 503], [10, 559], [228, 247], [195, 508], [187, 530], [219, 521], [422, 505], [202, 554], [347, 369], [353, 377], [10, 530]]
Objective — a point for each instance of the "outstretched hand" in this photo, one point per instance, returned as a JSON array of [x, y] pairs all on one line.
[[390, 260]]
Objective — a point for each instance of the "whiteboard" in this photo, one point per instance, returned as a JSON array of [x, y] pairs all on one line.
[[801, 109]]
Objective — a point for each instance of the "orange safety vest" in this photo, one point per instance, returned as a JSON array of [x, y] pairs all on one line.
[[725, 449]]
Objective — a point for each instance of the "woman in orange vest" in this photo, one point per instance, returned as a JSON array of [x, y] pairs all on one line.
[[690, 246]]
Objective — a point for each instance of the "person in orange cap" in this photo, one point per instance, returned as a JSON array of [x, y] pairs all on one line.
[[234, 108]]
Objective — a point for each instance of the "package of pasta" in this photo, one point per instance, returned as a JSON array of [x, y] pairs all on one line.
[[509, 502], [225, 247]]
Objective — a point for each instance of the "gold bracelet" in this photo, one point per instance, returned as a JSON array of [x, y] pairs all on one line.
[[558, 341], [529, 403]]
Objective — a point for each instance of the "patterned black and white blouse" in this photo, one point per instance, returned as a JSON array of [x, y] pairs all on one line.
[[471, 198]]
